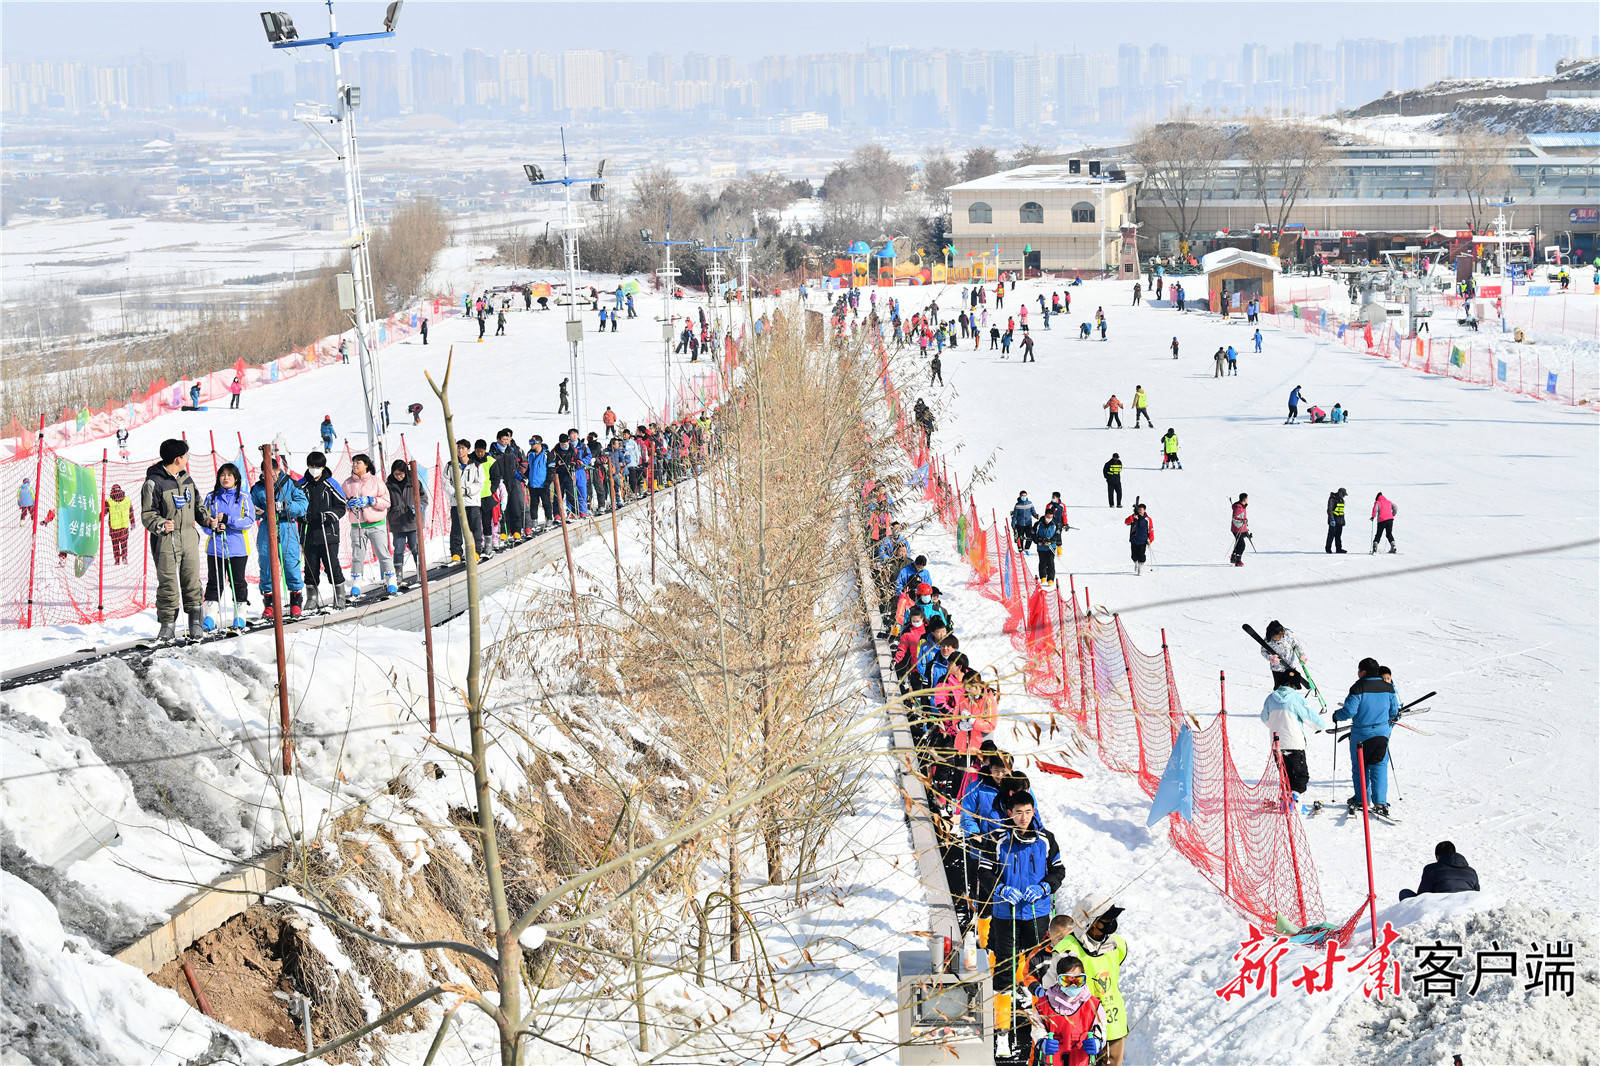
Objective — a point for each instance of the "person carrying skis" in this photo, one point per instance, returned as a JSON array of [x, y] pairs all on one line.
[[289, 508], [1284, 654], [1169, 450], [1372, 709], [230, 504], [1141, 407], [1141, 534], [326, 432], [1046, 533], [1383, 513], [1294, 405], [1288, 716], [1239, 526], [1335, 540], [1023, 516], [1095, 943], [1112, 472], [1071, 1022], [325, 505], [1018, 871], [1113, 405], [170, 508]]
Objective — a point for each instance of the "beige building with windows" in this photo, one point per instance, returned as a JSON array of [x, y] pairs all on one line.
[[1047, 216]]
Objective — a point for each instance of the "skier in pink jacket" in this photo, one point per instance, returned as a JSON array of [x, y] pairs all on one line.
[[1383, 512], [368, 498]]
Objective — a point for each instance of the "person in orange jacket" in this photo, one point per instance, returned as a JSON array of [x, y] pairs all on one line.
[[1113, 405]]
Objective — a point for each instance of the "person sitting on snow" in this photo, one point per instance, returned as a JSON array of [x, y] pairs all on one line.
[[1339, 414], [1448, 872]]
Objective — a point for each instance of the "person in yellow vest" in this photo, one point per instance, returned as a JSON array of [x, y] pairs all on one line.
[[486, 499], [1095, 942], [119, 520], [1141, 406], [1335, 541]]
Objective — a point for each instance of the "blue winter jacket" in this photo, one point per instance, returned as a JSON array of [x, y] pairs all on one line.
[[236, 506], [908, 572], [291, 504], [927, 658], [1022, 860], [538, 469], [1294, 397], [1023, 516], [980, 808], [1371, 708], [1044, 535]]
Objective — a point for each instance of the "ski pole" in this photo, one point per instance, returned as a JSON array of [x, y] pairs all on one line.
[[1394, 776], [1335, 734]]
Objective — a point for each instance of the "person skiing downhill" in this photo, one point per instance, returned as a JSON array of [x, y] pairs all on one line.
[[1141, 534], [1169, 450], [1023, 516], [1294, 405], [1239, 526]]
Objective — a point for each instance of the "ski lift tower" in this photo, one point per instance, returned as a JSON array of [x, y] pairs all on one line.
[[569, 247], [744, 244], [281, 34], [715, 273], [1399, 282], [666, 274]]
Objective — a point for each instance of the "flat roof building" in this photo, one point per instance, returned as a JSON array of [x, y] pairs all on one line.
[[1047, 216]]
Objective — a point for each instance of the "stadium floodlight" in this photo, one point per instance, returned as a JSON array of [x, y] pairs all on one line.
[[391, 17], [600, 171], [534, 173], [645, 235], [279, 26]]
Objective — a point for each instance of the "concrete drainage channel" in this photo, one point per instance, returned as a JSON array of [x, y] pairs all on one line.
[[233, 893]]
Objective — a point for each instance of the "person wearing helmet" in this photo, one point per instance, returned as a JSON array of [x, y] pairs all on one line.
[[326, 430], [1069, 1021], [1095, 943]]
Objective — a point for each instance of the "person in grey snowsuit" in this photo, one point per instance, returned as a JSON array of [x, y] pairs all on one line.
[[1286, 652], [171, 508]]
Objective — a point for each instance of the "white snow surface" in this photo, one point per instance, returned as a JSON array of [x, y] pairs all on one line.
[[1491, 601]]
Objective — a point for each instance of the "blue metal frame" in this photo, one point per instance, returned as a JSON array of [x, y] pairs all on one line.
[[334, 40], [564, 180]]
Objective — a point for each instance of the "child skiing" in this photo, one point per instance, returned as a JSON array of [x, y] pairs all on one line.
[[1169, 450]]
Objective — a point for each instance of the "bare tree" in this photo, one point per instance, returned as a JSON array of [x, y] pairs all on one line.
[[939, 172], [1282, 161], [1028, 154], [979, 162], [1180, 159], [1474, 166]]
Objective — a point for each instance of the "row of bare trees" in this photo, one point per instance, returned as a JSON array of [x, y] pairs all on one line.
[[1284, 163]]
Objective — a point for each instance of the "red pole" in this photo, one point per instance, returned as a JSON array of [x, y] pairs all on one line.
[[213, 436], [1172, 693], [100, 610], [999, 564], [1288, 804], [422, 578], [1366, 828], [38, 498], [1061, 626], [1077, 644], [269, 485], [1227, 828]]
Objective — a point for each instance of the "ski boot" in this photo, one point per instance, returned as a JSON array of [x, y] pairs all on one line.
[[239, 620], [267, 606], [1381, 810], [311, 597], [393, 586], [455, 558], [166, 632], [197, 626], [210, 619], [294, 605], [339, 599], [355, 590]]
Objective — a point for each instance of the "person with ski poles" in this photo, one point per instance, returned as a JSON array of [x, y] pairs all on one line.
[[230, 503], [1019, 871], [1383, 514], [1239, 526], [325, 506], [289, 508], [1113, 405], [1095, 943], [1069, 1025], [1046, 533], [170, 509], [1372, 709]]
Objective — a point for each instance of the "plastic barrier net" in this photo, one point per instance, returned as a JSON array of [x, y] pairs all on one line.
[[1246, 838]]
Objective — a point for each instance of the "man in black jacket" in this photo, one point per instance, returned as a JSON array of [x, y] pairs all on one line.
[[1335, 541], [1112, 472], [509, 470], [319, 536], [1448, 872]]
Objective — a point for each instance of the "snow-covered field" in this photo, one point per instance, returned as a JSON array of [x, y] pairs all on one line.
[[1491, 601]]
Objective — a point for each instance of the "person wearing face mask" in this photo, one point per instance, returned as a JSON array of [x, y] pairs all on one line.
[[1095, 943], [931, 610], [1069, 1021]]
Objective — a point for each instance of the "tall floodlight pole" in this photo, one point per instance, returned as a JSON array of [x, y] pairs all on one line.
[[569, 247], [667, 274], [281, 33], [715, 274]]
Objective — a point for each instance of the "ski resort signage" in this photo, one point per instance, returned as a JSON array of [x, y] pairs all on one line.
[[77, 510]]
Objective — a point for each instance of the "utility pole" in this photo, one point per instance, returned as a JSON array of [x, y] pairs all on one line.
[[281, 33], [569, 248], [667, 274]]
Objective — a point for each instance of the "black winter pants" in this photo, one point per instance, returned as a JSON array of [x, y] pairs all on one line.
[[540, 497], [1114, 491], [1335, 541], [226, 575], [1010, 938], [322, 556], [457, 545], [1114, 418], [1047, 564], [1294, 766], [1385, 529]]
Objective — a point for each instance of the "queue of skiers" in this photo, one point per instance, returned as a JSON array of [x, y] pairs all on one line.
[[1055, 966]]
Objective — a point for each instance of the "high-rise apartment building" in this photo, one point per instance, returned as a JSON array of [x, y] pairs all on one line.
[[582, 86], [432, 83]]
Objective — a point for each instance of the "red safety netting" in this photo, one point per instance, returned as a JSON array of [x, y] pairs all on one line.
[[1246, 837]]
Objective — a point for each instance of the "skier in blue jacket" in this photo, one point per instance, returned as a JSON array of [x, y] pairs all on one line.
[[1019, 870], [290, 503], [914, 572], [1294, 405], [1023, 516], [1372, 709], [230, 505]]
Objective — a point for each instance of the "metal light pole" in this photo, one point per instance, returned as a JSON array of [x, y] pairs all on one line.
[[716, 274], [744, 269], [569, 247], [667, 274], [281, 33]]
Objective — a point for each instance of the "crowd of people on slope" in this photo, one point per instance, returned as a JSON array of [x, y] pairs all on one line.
[[1055, 968], [511, 495]]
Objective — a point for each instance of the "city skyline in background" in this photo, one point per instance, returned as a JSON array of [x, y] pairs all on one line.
[[1047, 80]]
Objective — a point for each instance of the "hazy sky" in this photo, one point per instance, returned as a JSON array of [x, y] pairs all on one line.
[[223, 43]]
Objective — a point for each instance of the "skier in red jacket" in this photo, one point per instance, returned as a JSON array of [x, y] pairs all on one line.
[[1240, 527], [1071, 1025]]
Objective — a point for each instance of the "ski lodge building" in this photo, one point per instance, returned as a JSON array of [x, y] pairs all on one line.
[[1054, 216], [1366, 199]]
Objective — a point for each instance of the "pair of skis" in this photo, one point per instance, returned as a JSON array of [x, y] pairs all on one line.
[[1297, 668]]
